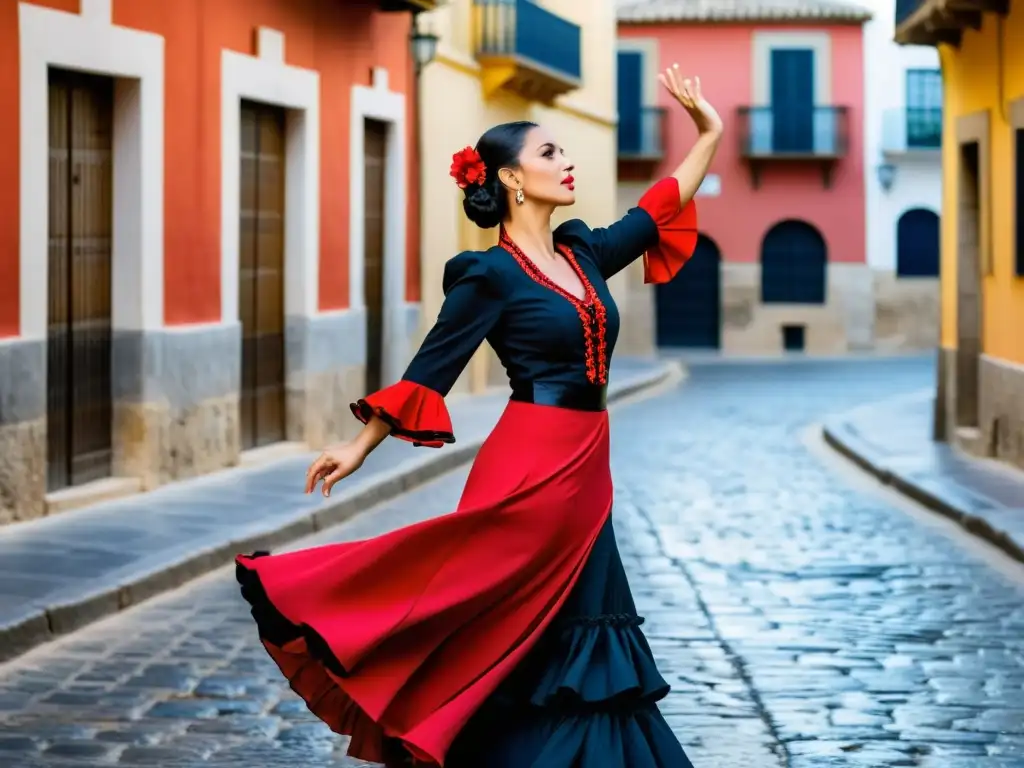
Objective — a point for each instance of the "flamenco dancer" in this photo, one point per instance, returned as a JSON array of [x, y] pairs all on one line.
[[504, 634]]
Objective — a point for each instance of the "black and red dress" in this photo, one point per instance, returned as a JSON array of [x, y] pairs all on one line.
[[409, 641]]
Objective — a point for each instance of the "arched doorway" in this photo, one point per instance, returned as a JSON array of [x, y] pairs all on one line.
[[688, 310], [794, 261], [917, 243]]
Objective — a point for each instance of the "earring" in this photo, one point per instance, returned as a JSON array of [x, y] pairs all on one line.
[[520, 197]]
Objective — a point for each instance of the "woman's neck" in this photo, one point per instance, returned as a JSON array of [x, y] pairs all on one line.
[[530, 229]]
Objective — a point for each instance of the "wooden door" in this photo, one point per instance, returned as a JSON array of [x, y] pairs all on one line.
[[792, 83], [78, 406], [969, 304], [261, 274], [375, 179], [688, 308]]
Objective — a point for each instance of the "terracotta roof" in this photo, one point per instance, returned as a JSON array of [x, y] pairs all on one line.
[[653, 11]]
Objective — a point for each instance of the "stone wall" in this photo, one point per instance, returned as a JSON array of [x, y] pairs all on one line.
[[175, 401], [999, 433], [326, 372], [906, 312], [175, 396], [22, 429], [1001, 410], [843, 323]]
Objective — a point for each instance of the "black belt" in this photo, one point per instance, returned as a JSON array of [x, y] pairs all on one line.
[[576, 397]]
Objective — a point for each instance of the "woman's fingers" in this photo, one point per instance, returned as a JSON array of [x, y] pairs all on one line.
[[339, 473], [676, 78], [317, 469], [684, 89]]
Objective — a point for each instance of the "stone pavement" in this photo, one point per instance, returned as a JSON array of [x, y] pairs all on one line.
[[892, 440], [802, 622], [60, 573]]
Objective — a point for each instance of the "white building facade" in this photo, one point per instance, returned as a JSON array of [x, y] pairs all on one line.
[[902, 145]]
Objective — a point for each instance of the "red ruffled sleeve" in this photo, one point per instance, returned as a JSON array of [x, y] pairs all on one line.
[[677, 231], [414, 413]]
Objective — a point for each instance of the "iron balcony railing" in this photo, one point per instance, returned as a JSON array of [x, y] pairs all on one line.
[[793, 132], [909, 129], [522, 30], [906, 8], [642, 133]]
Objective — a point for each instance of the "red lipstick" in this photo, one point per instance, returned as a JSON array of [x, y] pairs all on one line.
[[570, 182]]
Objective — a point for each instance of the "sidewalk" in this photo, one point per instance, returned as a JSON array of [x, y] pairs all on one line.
[[59, 573], [892, 440]]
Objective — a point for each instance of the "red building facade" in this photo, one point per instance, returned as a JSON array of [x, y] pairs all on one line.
[[781, 261], [211, 239]]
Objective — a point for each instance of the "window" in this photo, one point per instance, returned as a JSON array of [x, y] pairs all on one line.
[[630, 102], [917, 243], [794, 265], [924, 108], [793, 338]]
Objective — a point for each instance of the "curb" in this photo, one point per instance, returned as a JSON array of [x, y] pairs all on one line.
[[176, 568], [974, 524]]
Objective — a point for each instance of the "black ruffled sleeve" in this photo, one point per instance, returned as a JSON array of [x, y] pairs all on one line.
[[414, 407]]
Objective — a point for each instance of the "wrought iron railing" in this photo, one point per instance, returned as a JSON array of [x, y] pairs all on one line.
[[642, 133], [803, 132], [523, 30]]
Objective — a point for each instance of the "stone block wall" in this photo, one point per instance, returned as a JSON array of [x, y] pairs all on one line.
[[906, 312], [999, 433], [326, 371], [175, 394], [175, 401], [843, 323], [22, 429], [1001, 409]]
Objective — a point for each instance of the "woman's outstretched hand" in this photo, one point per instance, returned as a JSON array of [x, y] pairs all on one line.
[[334, 464], [687, 92]]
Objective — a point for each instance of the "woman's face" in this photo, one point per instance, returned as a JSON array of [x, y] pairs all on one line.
[[545, 171]]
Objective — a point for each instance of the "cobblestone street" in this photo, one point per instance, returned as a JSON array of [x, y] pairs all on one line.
[[801, 619]]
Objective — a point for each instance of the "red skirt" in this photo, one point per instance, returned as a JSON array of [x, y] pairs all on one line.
[[403, 637]]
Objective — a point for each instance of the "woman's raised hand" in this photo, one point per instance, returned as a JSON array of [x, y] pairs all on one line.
[[687, 92]]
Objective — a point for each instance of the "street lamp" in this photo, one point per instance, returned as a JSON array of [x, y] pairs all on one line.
[[424, 46], [886, 175]]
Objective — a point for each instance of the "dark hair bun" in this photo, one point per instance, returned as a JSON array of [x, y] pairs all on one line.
[[487, 205], [482, 206]]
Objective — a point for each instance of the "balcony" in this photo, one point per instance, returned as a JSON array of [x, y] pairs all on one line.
[[814, 135], [526, 50], [911, 130], [930, 22], [641, 137], [416, 6]]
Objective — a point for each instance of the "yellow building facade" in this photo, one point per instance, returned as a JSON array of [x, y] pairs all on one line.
[[980, 399], [549, 61]]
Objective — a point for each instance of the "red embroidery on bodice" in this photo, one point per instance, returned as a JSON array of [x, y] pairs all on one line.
[[590, 308]]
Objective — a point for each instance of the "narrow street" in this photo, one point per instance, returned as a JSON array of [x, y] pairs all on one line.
[[803, 620]]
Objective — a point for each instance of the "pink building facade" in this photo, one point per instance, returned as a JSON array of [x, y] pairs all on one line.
[[781, 260]]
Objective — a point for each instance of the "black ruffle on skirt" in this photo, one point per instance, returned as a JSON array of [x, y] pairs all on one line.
[[586, 697]]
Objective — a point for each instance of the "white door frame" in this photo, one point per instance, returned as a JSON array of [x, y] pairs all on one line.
[[268, 79], [90, 42], [378, 102]]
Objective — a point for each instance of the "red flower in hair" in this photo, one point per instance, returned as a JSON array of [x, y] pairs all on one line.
[[468, 168]]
